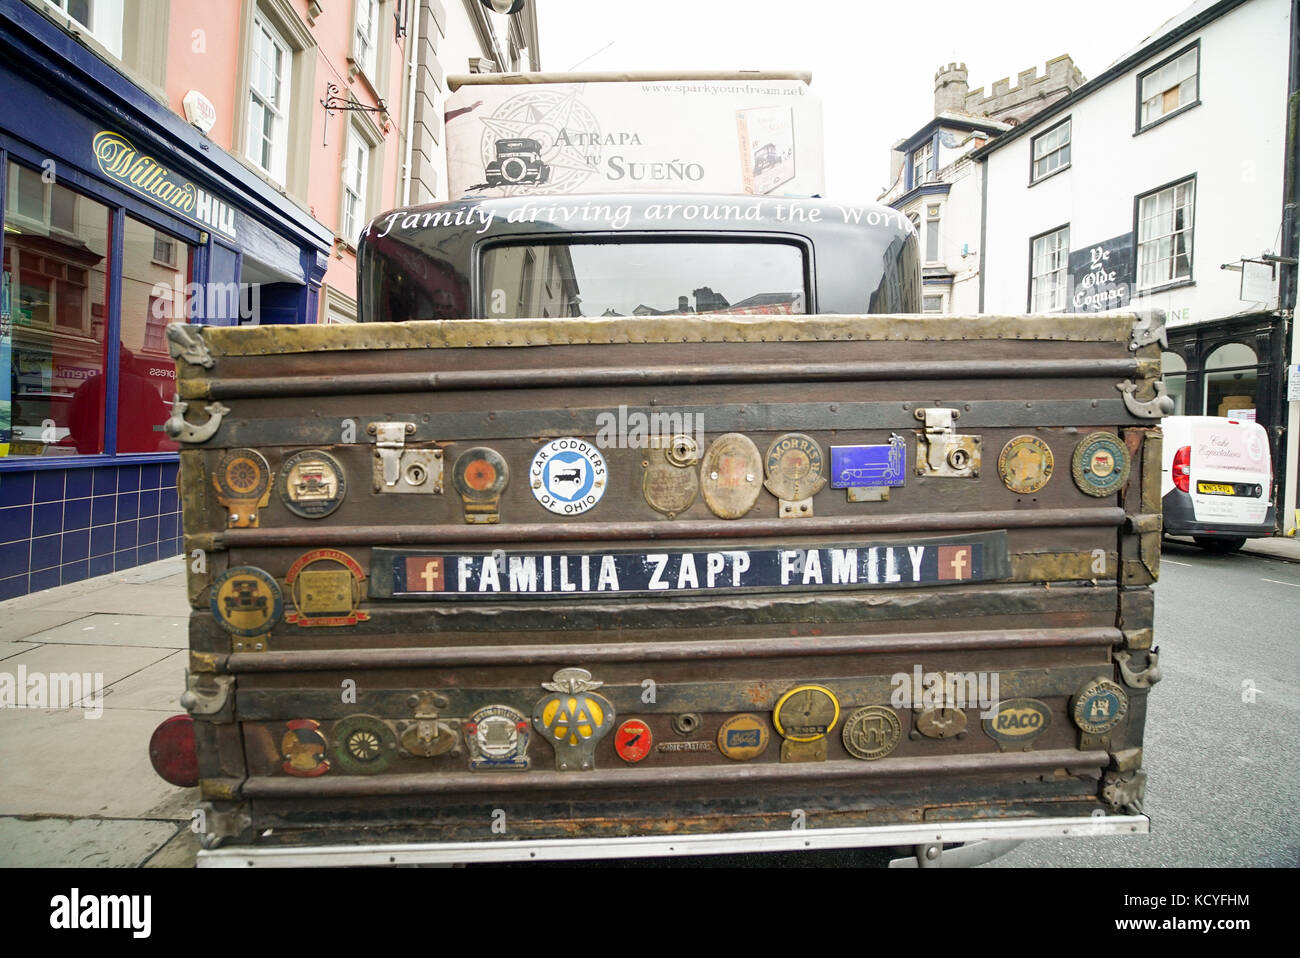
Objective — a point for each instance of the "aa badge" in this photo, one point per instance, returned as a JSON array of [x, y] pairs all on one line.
[[363, 744], [480, 476], [497, 737], [1100, 464], [303, 749], [731, 475], [1017, 723], [246, 601], [243, 483], [1025, 464], [326, 588], [795, 473], [871, 732], [568, 476], [311, 484], [574, 718], [743, 737], [633, 741]]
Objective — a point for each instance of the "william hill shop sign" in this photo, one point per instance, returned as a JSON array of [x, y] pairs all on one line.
[[144, 175]]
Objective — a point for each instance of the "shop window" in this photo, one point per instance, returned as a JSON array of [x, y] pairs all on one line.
[[1175, 375], [1231, 378], [154, 293], [53, 318]]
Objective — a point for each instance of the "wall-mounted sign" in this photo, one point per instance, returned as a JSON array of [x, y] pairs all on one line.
[[1100, 275], [199, 110], [144, 175], [1258, 282]]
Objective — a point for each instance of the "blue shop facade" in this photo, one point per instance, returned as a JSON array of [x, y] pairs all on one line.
[[119, 219]]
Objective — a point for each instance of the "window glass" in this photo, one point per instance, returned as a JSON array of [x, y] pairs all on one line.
[[1231, 377], [1170, 87], [1050, 270], [53, 317], [643, 279], [932, 304], [268, 100], [1052, 150], [1175, 374], [367, 22], [1165, 235], [154, 293], [932, 236], [355, 170]]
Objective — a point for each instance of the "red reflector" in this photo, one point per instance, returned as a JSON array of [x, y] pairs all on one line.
[[173, 753], [1181, 469]]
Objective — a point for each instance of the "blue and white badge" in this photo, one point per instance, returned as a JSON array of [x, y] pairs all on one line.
[[568, 476]]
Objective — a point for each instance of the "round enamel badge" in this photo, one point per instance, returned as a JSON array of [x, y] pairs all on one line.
[[568, 476], [1100, 464], [246, 601], [1025, 464], [633, 740], [871, 732]]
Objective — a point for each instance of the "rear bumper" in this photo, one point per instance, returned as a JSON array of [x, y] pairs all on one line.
[[1180, 520], [670, 846]]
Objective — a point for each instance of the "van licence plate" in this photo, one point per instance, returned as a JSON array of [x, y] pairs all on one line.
[[1216, 488]]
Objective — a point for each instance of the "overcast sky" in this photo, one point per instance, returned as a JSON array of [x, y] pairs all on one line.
[[873, 63]]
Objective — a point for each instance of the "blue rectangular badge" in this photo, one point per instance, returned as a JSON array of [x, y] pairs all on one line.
[[859, 466]]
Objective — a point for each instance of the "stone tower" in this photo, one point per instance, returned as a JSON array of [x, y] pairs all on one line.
[[950, 89]]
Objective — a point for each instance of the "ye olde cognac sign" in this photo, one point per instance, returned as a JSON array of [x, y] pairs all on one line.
[[1101, 275]]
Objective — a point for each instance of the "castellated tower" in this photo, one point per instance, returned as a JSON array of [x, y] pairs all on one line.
[[950, 89]]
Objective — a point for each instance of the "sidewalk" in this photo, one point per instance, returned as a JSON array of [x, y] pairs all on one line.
[[77, 790]]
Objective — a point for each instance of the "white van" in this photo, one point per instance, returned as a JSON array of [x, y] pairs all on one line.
[[1216, 481]]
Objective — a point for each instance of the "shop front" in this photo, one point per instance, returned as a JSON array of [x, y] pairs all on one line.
[[118, 219]]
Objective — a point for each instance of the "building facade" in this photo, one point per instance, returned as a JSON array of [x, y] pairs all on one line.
[[1160, 184], [938, 185], [170, 161]]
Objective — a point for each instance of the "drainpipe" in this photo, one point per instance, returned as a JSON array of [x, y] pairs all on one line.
[[1289, 508], [412, 65]]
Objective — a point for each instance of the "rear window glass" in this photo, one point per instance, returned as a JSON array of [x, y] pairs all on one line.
[[642, 279]]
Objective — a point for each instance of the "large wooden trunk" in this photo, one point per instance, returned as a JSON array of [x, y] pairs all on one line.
[[886, 574]]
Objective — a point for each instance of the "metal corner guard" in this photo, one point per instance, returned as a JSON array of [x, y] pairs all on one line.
[[186, 343]]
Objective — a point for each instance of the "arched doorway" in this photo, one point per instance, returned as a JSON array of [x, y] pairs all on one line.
[[1231, 382]]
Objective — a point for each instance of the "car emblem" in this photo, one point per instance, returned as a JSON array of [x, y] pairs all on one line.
[[243, 483], [871, 732], [303, 749], [670, 482], [1100, 465], [497, 737], [568, 476], [1025, 464], [794, 469], [941, 722], [743, 737], [1099, 706], [806, 713], [1017, 723], [311, 484], [574, 718], [246, 601], [633, 741], [731, 475], [480, 475], [363, 744], [326, 588], [869, 472]]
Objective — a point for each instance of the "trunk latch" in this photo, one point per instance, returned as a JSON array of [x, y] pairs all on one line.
[[942, 452]]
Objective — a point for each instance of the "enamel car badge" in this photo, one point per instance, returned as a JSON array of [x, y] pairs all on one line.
[[303, 749], [497, 736], [246, 601], [311, 484], [1099, 706], [363, 744], [871, 732], [743, 737], [1017, 723], [326, 588], [480, 476], [573, 718], [670, 482], [1025, 464], [633, 741], [731, 475], [869, 472], [568, 476], [794, 469], [243, 483], [1100, 464]]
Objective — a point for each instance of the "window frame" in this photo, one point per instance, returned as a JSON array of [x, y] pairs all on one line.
[[1190, 280], [1064, 268], [277, 170], [1033, 146], [1140, 127], [351, 231], [922, 155], [367, 62]]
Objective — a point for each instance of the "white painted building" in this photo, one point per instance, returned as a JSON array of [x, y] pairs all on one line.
[[1141, 186]]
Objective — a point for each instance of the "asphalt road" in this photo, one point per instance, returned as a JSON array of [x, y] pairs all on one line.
[[1223, 765]]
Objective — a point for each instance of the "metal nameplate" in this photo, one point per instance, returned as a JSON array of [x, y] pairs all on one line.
[[855, 467], [439, 574]]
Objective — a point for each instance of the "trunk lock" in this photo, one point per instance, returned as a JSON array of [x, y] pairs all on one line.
[[398, 469], [942, 452]]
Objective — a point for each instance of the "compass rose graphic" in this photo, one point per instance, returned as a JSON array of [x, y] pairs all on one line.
[[565, 130]]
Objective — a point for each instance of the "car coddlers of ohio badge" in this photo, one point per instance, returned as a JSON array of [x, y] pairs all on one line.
[[568, 476]]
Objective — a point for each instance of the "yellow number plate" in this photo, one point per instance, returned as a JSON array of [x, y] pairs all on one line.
[[1216, 488]]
